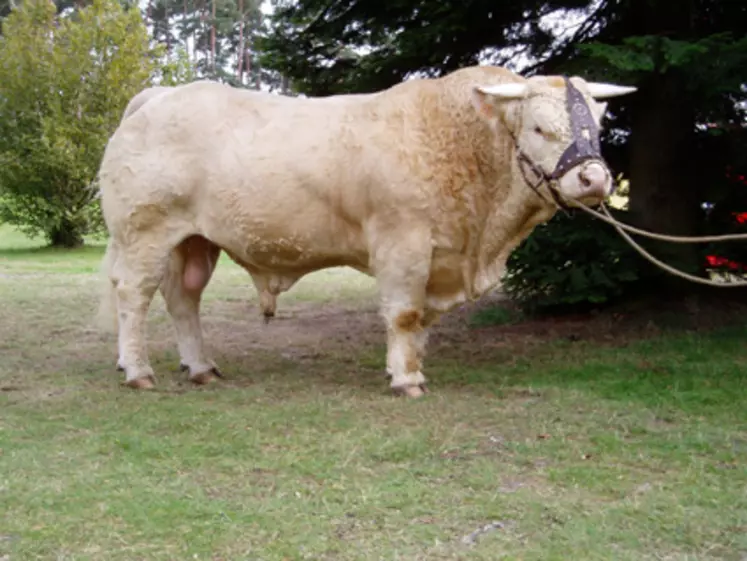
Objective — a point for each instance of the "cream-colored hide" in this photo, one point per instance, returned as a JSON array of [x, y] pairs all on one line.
[[417, 185], [139, 100], [268, 286]]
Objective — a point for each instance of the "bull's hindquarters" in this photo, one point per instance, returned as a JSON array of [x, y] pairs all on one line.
[[181, 270]]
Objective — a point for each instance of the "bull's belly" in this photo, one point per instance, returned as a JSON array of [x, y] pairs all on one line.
[[283, 262], [276, 256], [282, 229], [288, 253]]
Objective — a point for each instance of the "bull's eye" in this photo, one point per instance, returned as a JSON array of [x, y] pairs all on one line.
[[538, 130]]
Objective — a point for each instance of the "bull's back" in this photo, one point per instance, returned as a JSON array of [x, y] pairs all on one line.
[[295, 182], [266, 177], [142, 97]]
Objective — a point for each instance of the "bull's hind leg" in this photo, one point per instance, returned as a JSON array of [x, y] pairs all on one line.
[[189, 270], [135, 276]]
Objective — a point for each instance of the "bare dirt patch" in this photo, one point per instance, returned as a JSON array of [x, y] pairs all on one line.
[[299, 326]]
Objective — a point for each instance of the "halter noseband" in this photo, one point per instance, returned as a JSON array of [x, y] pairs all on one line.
[[585, 145]]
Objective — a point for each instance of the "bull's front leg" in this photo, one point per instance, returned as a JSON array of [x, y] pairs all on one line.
[[421, 339], [402, 281], [404, 356]]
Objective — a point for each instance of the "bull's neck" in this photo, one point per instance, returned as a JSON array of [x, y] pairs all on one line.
[[515, 211], [480, 185]]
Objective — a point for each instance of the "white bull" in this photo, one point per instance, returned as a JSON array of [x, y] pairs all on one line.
[[425, 186]]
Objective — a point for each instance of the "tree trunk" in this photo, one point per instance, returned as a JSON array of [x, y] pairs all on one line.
[[665, 180], [185, 15], [257, 67], [664, 190], [247, 63], [212, 38], [257, 75], [240, 57], [203, 49], [66, 235], [167, 25]]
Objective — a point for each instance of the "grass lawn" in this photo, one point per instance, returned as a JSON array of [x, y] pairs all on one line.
[[539, 440]]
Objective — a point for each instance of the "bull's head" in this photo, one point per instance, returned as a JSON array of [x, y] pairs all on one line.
[[555, 125]]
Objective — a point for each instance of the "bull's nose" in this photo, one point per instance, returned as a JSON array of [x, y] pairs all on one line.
[[595, 179]]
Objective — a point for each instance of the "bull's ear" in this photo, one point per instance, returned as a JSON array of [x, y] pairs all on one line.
[[601, 90], [487, 99]]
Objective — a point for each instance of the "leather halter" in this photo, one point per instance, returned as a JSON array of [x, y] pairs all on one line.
[[584, 147]]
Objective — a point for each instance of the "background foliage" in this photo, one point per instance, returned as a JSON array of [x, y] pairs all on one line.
[[64, 83], [573, 261], [673, 140], [680, 140]]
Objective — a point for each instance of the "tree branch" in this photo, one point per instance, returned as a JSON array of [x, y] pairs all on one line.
[[579, 36]]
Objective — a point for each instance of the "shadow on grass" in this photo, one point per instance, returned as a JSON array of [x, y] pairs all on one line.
[[691, 374]]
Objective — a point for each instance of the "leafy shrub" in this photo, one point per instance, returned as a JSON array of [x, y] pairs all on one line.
[[64, 83], [571, 262]]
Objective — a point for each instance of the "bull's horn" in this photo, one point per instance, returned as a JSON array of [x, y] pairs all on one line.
[[600, 90], [511, 90]]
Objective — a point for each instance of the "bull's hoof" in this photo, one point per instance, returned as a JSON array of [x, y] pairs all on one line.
[[144, 383], [204, 378], [212, 371], [412, 392], [268, 316]]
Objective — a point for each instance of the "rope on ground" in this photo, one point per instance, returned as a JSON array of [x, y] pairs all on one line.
[[620, 227]]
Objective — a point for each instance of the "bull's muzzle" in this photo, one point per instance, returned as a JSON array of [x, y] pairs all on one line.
[[595, 181]]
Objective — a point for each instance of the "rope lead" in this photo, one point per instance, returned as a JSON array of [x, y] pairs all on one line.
[[620, 227]]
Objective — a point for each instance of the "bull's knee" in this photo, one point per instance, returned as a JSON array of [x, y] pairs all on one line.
[[410, 321]]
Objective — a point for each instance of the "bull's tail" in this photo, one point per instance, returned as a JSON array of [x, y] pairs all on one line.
[[106, 318]]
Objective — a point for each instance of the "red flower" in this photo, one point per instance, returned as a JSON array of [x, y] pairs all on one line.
[[716, 261]]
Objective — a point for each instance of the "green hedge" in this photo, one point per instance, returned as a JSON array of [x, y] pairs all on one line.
[[571, 262]]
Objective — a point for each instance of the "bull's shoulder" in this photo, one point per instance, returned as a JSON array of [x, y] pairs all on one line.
[[443, 137]]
